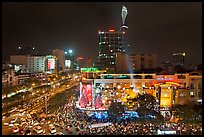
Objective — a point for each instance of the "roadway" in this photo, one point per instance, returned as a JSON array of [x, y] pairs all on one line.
[[37, 107]]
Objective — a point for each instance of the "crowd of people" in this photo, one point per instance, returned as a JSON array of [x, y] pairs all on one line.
[[77, 122]]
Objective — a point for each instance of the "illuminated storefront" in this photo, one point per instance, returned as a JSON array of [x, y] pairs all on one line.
[[175, 89]]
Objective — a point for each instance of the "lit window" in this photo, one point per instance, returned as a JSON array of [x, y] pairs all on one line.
[[191, 93]]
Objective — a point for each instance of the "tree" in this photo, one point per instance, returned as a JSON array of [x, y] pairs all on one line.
[[145, 104], [187, 113], [116, 109]]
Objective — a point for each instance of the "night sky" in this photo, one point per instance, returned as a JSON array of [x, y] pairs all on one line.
[[162, 28]]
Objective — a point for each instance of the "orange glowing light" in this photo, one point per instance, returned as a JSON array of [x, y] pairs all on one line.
[[80, 58], [111, 30], [83, 78]]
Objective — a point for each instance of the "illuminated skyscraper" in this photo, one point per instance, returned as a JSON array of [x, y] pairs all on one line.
[[124, 14], [179, 59], [110, 43]]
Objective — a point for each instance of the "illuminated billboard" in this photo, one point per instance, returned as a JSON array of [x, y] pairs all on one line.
[[51, 64], [68, 63]]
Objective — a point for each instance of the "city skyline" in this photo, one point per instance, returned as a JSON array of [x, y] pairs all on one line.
[[162, 28]]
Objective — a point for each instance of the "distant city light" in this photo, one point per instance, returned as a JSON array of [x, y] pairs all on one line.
[[184, 54], [80, 58], [111, 30], [118, 86], [70, 51]]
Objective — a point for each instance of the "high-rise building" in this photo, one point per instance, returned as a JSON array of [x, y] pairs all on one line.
[[179, 59], [36, 64], [71, 63], [110, 43], [124, 14], [50, 63], [142, 61], [122, 65], [59, 55]]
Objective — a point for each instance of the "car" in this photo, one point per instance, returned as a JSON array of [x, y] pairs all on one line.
[[36, 123], [13, 120], [16, 124], [59, 133], [52, 129], [57, 124], [39, 129], [6, 123], [15, 129], [11, 125], [51, 125], [29, 116], [23, 121], [27, 132]]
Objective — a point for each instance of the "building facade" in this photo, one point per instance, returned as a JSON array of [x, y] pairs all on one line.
[[110, 43], [36, 64], [59, 55], [122, 64], [50, 64], [175, 89], [179, 59], [8, 77], [142, 61]]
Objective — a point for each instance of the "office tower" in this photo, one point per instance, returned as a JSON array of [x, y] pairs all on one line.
[[59, 55], [110, 43], [36, 63], [179, 59], [142, 61], [124, 14]]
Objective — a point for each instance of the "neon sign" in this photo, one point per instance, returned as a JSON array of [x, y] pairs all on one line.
[[88, 69], [163, 78]]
